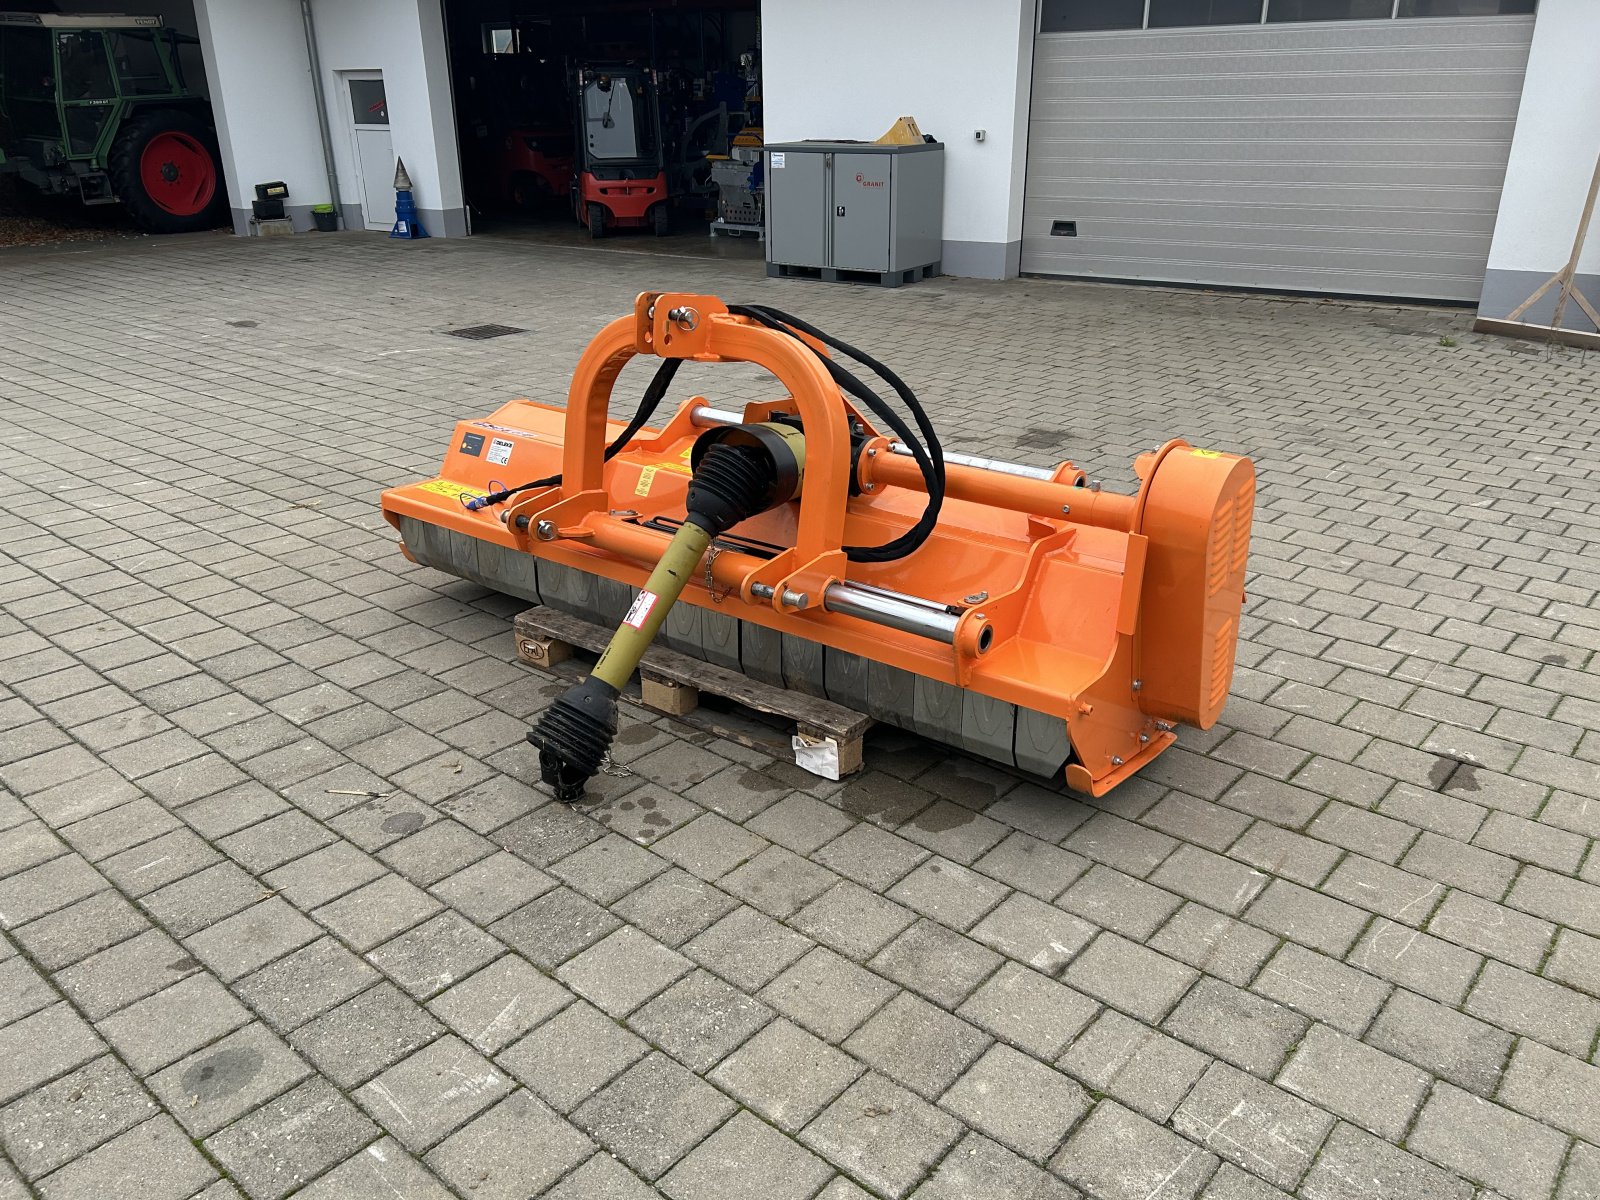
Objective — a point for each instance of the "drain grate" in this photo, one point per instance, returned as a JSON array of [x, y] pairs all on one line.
[[482, 333]]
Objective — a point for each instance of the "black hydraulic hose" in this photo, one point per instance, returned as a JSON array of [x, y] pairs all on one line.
[[927, 452], [648, 403]]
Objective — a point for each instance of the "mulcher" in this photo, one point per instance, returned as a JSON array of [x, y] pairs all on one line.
[[824, 542]]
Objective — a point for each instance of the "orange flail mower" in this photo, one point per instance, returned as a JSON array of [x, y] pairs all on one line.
[[821, 542]]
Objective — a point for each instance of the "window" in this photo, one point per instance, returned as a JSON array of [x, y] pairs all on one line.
[[1330, 10], [1079, 16], [1464, 8], [1168, 14], [499, 40], [26, 65], [368, 104], [138, 62], [85, 70]]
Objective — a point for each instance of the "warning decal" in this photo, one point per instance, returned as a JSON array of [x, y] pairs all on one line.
[[640, 612], [500, 451], [647, 477], [443, 487]]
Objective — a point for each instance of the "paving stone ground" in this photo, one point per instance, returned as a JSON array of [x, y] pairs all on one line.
[[284, 912]]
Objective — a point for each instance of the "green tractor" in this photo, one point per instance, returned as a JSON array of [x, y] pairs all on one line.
[[100, 107]]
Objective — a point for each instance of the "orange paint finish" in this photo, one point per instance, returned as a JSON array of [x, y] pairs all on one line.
[[1118, 616]]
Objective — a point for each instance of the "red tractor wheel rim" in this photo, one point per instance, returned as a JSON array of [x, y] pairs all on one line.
[[178, 174]]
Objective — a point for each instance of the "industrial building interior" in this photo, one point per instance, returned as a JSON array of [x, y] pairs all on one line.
[[523, 70]]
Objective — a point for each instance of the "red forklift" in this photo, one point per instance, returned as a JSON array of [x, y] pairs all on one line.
[[621, 177]]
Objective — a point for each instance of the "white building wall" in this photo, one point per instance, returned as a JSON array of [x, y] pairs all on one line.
[[405, 40], [849, 68], [265, 106], [1552, 161], [261, 97]]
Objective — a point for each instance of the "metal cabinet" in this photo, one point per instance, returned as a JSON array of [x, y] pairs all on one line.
[[855, 207]]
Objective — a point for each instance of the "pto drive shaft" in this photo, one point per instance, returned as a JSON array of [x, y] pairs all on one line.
[[739, 471]]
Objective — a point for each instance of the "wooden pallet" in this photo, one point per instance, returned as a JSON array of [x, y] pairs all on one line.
[[825, 737]]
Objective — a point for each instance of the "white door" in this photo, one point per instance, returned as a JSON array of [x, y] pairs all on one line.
[[1357, 156], [369, 123]]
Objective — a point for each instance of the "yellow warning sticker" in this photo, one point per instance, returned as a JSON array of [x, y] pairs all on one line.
[[1207, 453], [444, 487], [647, 476]]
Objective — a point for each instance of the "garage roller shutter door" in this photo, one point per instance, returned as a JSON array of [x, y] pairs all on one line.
[[1361, 157]]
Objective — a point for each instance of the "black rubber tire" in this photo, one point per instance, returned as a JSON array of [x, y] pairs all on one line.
[[123, 167], [597, 220], [660, 220]]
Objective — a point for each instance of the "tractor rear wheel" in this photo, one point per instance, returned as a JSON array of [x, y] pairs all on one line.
[[166, 171], [597, 220]]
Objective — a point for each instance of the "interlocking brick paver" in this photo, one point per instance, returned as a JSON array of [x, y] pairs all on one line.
[[1033, 932], [852, 920], [917, 1044], [1112, 900], [747, 948], [623, 970], [1120, 1155], [652, 1114], [1554, 1088], [55, 1123], [786, 1074], [1130, 977], [1353, 1162], [778, 881], [323, 875], [71, 934], [1235, 1026], [1322, 988], [1216, 944], [516, 1149], [248, 940], [699, 1019], [429, 958], [1142, 1068], [675, 906], [1485, 1142], [882, 1134], [936, 962], [1363, 1085], [379, 1172], [162, 1028], [1523, 1003], [1253, 1125], [221, 1082], [421, 1098], [1416, 960], [289, 992], [1309, 918], [357, 1039], [278, 1147], [1386, 833], [500, 1003], [1017, 1101], [493, 887], [572, 1055], [156, 1152], [979, 1169], [827, 994], [743, 1158]]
